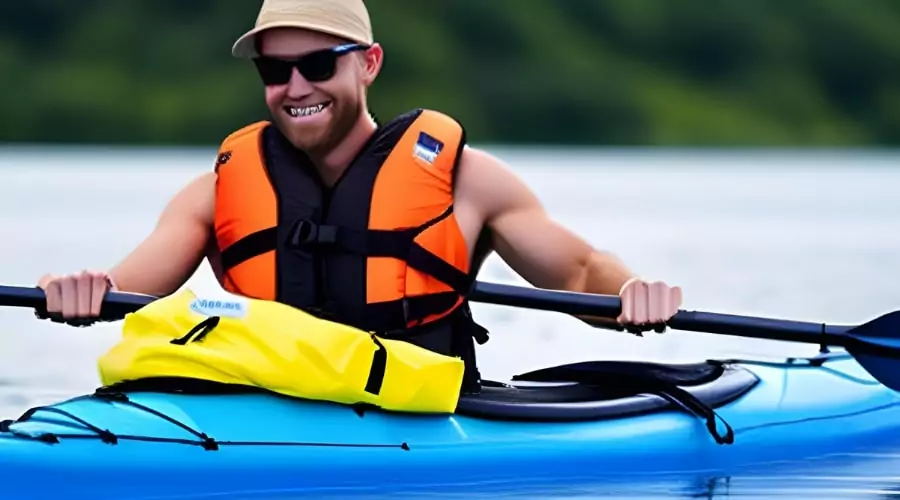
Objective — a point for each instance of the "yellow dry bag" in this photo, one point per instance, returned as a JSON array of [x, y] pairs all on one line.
[[237, 340]]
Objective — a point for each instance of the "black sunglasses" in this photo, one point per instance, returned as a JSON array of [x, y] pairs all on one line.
[[316, 66]]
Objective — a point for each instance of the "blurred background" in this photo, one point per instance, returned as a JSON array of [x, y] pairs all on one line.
[[594, 72], [744, 150]]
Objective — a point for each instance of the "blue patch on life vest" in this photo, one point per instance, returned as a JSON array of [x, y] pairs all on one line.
[[427, 148], [215, 307]]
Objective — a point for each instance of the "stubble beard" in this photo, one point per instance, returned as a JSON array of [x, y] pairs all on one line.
[[325, 138]]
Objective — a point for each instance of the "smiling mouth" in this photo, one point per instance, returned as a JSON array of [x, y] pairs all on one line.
[[306, 110]]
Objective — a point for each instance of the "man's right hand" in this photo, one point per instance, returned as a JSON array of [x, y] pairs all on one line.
[[161, 264], [75, 298]]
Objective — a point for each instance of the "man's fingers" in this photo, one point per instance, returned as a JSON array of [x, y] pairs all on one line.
[[100, 287]]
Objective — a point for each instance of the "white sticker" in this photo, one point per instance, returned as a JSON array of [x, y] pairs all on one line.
[[220, 307]]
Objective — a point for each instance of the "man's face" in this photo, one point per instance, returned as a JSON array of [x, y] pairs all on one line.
[[316, 114]]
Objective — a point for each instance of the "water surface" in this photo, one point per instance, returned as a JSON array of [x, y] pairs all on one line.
[[808, 236]]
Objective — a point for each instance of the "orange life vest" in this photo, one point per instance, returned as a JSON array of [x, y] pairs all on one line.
[[381, 250]]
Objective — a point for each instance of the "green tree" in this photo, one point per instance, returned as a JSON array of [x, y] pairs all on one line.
[[610, 72]]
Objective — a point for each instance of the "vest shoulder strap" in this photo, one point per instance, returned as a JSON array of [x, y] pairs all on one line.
[[392, 214], [240, 133], [243, 138]]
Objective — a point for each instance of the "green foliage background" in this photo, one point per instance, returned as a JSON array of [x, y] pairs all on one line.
[[608, 72]]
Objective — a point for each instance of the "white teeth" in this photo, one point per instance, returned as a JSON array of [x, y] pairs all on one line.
[[306, 111]]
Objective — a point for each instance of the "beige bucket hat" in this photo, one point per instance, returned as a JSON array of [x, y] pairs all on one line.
[[344, 18]]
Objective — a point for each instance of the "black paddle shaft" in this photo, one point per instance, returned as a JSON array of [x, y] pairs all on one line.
[[875, 345], [608, 306], [115, 305]]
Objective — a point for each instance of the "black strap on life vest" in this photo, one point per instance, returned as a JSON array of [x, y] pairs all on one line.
[[399, 244], [249, 246]]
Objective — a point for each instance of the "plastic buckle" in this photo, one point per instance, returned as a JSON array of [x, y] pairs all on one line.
[[327, 235], [307, 232], [405, 303], [304, 232]]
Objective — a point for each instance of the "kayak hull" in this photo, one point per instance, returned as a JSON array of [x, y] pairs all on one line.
[[265, 445]]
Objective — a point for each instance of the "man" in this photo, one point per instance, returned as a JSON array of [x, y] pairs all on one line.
[[378, 226]]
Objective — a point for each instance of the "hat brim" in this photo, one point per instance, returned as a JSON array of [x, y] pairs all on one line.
[[245, 46]]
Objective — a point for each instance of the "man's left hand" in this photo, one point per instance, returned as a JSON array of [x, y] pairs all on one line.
[[647, 306]]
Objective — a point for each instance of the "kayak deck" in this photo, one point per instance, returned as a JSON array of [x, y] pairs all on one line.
[[557, 432]]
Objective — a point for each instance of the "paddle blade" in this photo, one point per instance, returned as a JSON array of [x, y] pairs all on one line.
[[876, 346], [883, 369]]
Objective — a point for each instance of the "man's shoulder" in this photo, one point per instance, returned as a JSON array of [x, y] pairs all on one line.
[[482, 177], [489, 183], [245, 139], [202, 187], [479, 164]]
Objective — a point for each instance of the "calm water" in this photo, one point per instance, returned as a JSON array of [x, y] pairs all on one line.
[[810, 236]]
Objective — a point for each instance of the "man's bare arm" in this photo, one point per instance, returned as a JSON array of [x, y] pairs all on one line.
[[541, 250], [168, 257], [549, 255]]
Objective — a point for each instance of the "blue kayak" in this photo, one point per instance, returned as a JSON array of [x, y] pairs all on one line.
[[578, 424]]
